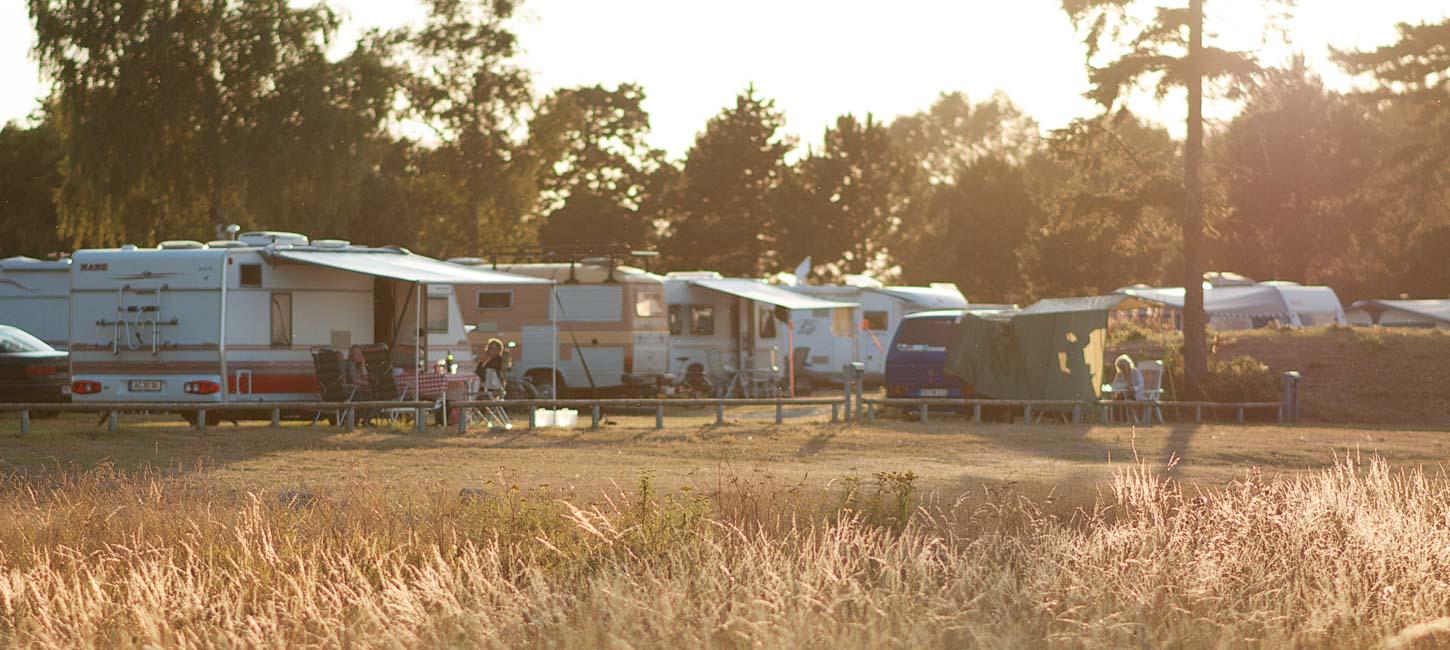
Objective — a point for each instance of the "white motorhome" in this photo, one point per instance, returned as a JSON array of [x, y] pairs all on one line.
[[235, 321], [730, 325], [35, 297], [605, 332], [881, 310]]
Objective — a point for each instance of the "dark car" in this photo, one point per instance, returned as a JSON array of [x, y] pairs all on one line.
[[30, 370], [916, 360]]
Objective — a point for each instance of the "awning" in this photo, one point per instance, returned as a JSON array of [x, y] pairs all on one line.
[[398, 265], [927, 297], [768, 294]]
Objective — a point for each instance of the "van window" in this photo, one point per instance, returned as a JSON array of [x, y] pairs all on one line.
[[489, 300], [250, 275], [875, 321], [702, 320], [925, 334], [676, 319], [647, 304], [281, 320], [438, 314]]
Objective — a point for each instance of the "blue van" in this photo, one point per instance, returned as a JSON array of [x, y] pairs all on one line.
[[918, 353]]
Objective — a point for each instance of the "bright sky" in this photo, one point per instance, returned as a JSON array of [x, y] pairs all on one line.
[[821, 58]]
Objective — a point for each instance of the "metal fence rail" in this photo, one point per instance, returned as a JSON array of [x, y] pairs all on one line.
[[842, 408]]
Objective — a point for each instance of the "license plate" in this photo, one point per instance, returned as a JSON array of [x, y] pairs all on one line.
[[933, 392], [146, 385]]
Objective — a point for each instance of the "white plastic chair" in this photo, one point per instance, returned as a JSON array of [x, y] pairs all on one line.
[[1152, 372]]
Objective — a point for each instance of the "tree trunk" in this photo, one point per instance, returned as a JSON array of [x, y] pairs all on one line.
[[1195, 348]]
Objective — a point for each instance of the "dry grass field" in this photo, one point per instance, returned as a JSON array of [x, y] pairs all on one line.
[[809, 534]]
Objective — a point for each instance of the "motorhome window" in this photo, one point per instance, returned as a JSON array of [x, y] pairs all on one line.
[[495, 300], [767, 323], [702, 320], [282, 320], [647, 304], [676, 319], [923, 334], [438, 314], [875, 321], [251, 275]]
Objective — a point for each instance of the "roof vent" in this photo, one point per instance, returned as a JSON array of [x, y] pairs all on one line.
[[693, 275], [269, 237], [466, 261], [128, 247], [180, 244], [226, 243], [331, 243]]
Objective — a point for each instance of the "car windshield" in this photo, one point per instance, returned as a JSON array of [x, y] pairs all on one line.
[[923, 334], [14, 340]]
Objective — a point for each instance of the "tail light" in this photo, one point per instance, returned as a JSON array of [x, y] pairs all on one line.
[[201, 387], [85, 387], [43, 370]]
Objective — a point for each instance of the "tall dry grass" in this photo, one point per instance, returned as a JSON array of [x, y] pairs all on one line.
[[1354, 556]]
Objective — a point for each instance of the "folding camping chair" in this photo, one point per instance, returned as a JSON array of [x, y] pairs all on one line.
[[497, 417], [382, 386], [332, 383]]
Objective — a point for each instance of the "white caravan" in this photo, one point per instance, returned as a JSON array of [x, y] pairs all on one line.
[[881, 310], [608, 321], [730, 325], [35, 297], [235, 321]]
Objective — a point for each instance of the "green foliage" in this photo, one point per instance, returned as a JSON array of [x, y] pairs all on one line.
[[846, 201], [178, 117], [29, 177], [1240, 379], [722, 209], [889, 502]]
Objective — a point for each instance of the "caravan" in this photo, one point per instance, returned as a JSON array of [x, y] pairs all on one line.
[[1245, 306], [235, 321], [882, 309], [604, 334], [742, 331], [35, 297]]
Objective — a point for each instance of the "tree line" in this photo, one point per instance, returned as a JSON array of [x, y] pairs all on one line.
[[170, 119]]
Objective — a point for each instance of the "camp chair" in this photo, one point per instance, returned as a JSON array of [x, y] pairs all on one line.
[[1152, 372], [497, 417], [382, 386], [332, 383]]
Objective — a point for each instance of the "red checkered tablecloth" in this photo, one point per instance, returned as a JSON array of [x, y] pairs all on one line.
[[431, 385]]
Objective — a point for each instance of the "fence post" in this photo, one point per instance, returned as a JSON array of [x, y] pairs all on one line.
[[1198, 414], [1027, 414], [200, 420], [276, 418], [870, 411], [1240, 415], [112, 421], [533, 415], [594, 417], [1077, 415], [719, 414], [24, 422], [1290, 411], [419, 423], [659, 415], [846, 389], [977, 413], [779, 411], [835, 412], [351, 418], [922, 410]]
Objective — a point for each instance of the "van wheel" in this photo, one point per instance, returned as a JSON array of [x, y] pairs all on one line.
[[543, 383]]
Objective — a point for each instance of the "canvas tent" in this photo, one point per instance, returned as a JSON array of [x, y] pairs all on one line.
[[1052, 350], [1401, 313]]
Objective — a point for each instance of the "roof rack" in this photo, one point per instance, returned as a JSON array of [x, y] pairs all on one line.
[[603, 254]]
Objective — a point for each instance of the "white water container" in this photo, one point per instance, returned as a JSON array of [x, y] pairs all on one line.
[[566, 418], [543, 418]]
